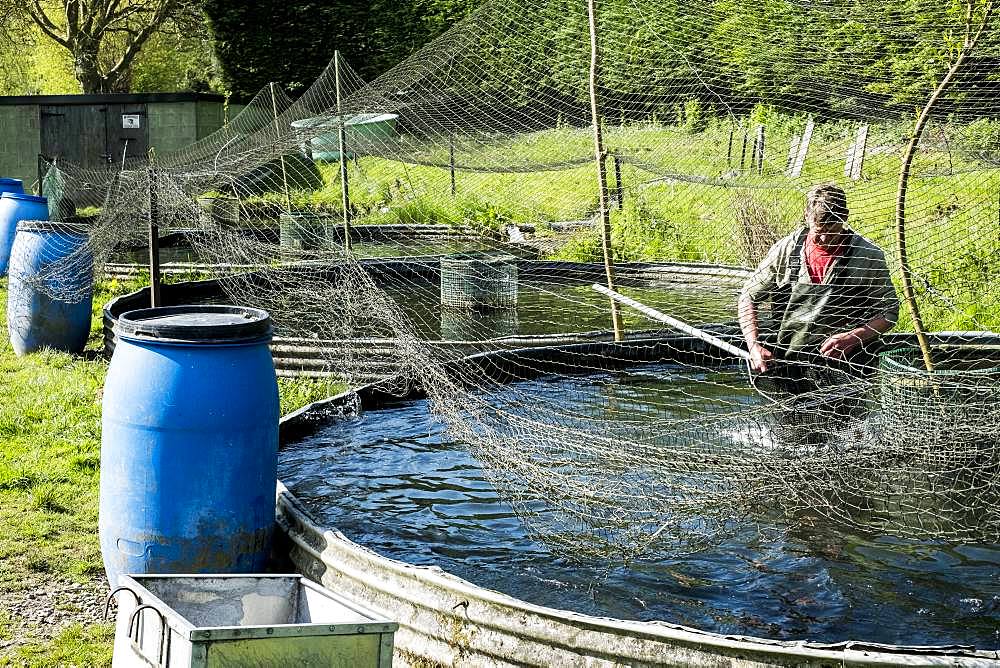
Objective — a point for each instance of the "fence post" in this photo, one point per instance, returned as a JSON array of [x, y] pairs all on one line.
[[154, 240], [619, 191], [793, 151], [729, 151], [342, 141], [281, 157], [743, 153], [451, 163], [856, 155], [757, 163], [803, 149]]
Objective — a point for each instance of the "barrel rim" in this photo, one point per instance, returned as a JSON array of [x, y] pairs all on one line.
[[62, 227], [27, 197], [10, 181], [143, 325]]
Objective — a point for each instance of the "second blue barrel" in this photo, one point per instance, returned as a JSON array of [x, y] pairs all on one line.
[[15, 207], [189, 442], [51, 287], [8, 185]]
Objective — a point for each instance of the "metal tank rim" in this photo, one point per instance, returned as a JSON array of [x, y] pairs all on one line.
[[308, 357], [448, 620]]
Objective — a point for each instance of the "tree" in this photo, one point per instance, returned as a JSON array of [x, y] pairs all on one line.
[[290, 42], [103, 36]]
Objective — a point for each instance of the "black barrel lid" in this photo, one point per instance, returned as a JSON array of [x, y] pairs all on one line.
[[61, 227], [195, 324]]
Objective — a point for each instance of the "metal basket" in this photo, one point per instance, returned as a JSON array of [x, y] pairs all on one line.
[[479, 282], [947, 415]]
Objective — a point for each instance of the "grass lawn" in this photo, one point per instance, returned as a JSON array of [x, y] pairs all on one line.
[[50, 437], [683, 198]]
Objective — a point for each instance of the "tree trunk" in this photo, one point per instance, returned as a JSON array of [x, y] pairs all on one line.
[[87, 70]]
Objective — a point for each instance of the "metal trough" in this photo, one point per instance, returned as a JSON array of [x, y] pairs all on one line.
[[202, 621]]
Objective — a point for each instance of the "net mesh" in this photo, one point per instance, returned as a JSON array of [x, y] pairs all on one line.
[[718, 119]]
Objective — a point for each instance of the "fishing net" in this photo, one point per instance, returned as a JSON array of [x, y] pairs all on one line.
[[355, 212]]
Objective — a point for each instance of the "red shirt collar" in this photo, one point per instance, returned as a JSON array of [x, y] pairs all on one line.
[[811, 245]]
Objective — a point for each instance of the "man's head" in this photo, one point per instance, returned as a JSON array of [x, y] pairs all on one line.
[[826, 213]]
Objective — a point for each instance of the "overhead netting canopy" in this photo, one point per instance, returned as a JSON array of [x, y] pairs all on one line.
[[472, 166]]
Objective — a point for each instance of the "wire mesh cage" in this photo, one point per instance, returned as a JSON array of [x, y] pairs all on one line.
[[949, 415], [467, 324], [481, 282], [306, 231]]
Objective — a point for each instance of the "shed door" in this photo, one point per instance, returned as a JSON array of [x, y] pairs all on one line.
[[128, 134], [95, 136], [76, 133]]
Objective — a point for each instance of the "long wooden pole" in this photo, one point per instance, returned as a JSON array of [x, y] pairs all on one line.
[[674, 322], [277, 134], [904, 176], [342, 142], [602, 180]]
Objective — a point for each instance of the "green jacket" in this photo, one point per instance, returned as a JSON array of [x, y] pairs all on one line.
[[798, 315]]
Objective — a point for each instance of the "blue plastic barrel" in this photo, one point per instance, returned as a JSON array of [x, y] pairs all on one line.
[[51, 287], [15, 207], [8, 185], [190, 442]]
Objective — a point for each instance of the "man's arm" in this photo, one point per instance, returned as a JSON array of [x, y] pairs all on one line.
[[762, 283], [840, 346], [884, 298], [759, 355]]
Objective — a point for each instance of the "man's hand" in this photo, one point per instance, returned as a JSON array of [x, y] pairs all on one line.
[[840, 346], [759, 357]]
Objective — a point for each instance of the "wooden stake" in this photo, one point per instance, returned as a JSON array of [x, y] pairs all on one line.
[[757, 162], [904, 175], [154, 242], [729, 151], [856, 156], [451, 163], [277, 134], [602, 184], [743, 153], [342, 140], [799, 160], [619, 191], [793, 150]]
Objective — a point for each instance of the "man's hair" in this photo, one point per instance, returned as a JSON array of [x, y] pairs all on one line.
[[826, 202]]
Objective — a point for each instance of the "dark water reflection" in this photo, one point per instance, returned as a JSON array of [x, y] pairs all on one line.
[[392, 481], [555, 306]]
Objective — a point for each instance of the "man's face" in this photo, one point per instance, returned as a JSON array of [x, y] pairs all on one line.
[[826, 229]]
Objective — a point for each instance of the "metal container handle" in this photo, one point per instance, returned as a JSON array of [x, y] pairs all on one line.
[[163, 630], [111, 597]]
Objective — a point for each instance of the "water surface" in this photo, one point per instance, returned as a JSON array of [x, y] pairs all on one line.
[[393, 481]]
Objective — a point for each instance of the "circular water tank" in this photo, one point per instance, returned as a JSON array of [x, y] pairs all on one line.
[[189, 442], [51, 287], [319, 137], [15, 207]]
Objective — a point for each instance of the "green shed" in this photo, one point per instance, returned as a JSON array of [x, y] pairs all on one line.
[[100, 130]]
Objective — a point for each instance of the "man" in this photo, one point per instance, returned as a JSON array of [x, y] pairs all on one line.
[[825, 288]]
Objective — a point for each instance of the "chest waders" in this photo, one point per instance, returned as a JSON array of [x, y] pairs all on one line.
[[808, 313]]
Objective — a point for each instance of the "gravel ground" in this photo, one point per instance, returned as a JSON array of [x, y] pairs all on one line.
[[42, 607]]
